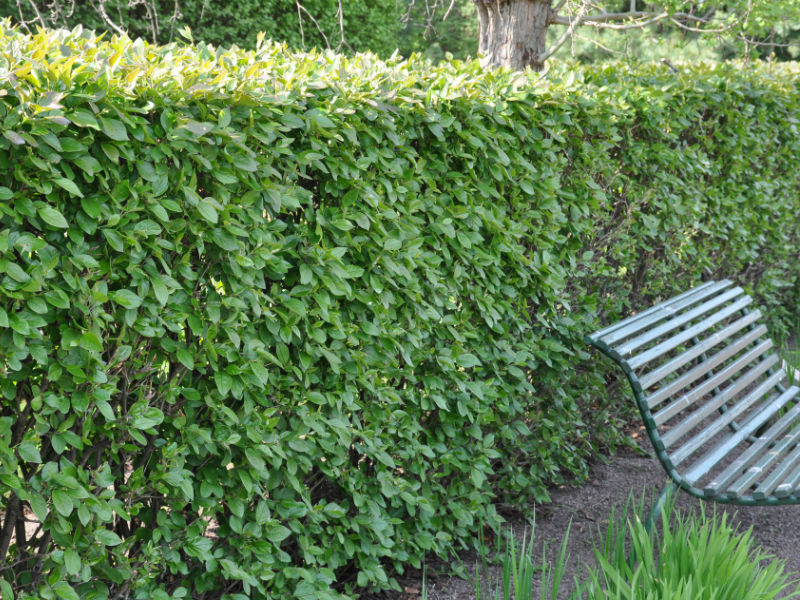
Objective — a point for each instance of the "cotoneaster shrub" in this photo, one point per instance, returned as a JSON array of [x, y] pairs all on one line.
[[273, 325]]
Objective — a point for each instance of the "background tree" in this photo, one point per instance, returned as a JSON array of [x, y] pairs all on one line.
[[513, 33]]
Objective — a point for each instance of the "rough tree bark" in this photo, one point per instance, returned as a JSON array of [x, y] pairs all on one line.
[[513, 33]]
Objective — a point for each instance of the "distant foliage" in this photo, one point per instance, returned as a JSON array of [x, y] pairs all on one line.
[[276, 324], [368, 24]]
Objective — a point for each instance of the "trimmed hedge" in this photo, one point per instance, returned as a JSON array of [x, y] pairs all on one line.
[[273, 325]]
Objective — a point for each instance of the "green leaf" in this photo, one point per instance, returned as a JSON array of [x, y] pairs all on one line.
[[114, 129], [13, 137], [29, 452], [260, 372], [17, 273], [278, 533], [107, 538], [148, 419], [72, 561], [57, 298], [126, 299], [160, 290], [6, 591], [5, 193], [370, 328], [306, 275], [105, 409], [185, 358], [83, 118], [224, 382], [65, 591], [39, 506], [63, 502], [68, 185], [467, 360], [199, 129], [52, 217], [90, 341], [207, 211], [296, 306]]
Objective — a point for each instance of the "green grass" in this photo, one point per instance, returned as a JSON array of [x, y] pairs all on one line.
[[692, 557], [695, 557]]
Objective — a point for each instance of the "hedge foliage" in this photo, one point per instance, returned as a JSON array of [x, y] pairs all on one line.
[[272, 325]]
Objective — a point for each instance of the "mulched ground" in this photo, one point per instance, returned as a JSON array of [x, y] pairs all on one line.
[[589, 506]]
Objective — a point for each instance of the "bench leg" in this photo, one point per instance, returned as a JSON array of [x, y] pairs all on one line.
[[653, 516], [655, 511]]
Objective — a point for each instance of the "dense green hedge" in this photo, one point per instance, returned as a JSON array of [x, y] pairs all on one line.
[[272, 325]]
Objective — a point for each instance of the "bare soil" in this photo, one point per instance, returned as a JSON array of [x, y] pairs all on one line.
[[587, 508]]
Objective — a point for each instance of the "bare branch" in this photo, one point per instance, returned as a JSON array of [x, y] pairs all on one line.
[[38, 18], [568, 33], [302, 8], [698, 29], [342, 40], [100, 8], [449, 8]]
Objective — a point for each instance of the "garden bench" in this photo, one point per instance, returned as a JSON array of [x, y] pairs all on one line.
[[713, 396]]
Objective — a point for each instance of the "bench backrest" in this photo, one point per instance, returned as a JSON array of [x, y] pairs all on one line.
[[705, 376]]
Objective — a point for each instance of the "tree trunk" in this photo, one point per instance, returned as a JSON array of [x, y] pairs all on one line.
[[513, 33]]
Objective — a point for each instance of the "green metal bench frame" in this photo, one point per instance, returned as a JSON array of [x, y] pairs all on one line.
[[711, 395]]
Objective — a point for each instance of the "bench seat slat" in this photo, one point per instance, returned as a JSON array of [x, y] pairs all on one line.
[[689, 399], [687, 334], [748, 457], [760, 469], [705, 464], [708, 432], [619, 331], [679, 320], [701, 369], [777, 476], [789, 485], [659, 373]]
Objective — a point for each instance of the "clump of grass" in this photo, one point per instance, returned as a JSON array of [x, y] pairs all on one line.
[[693, 557], [520, 570]]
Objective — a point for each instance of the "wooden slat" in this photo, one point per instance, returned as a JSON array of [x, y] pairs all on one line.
[[703, 368], [678, 321], [649, 379], [789, 485], [757, 448], [733, 369], [688, 447], [626, 327], [777, 476], [766, 461], [721, 450], [688, 334]]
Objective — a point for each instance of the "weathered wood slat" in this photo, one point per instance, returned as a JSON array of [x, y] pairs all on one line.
[[704, 368], [764, 443], [705, 388], [622, 329], [687, 334], [789, 485], [777, 476], [678, 321], [759, 470], [647, 380], [709, 431], [721, 450]]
